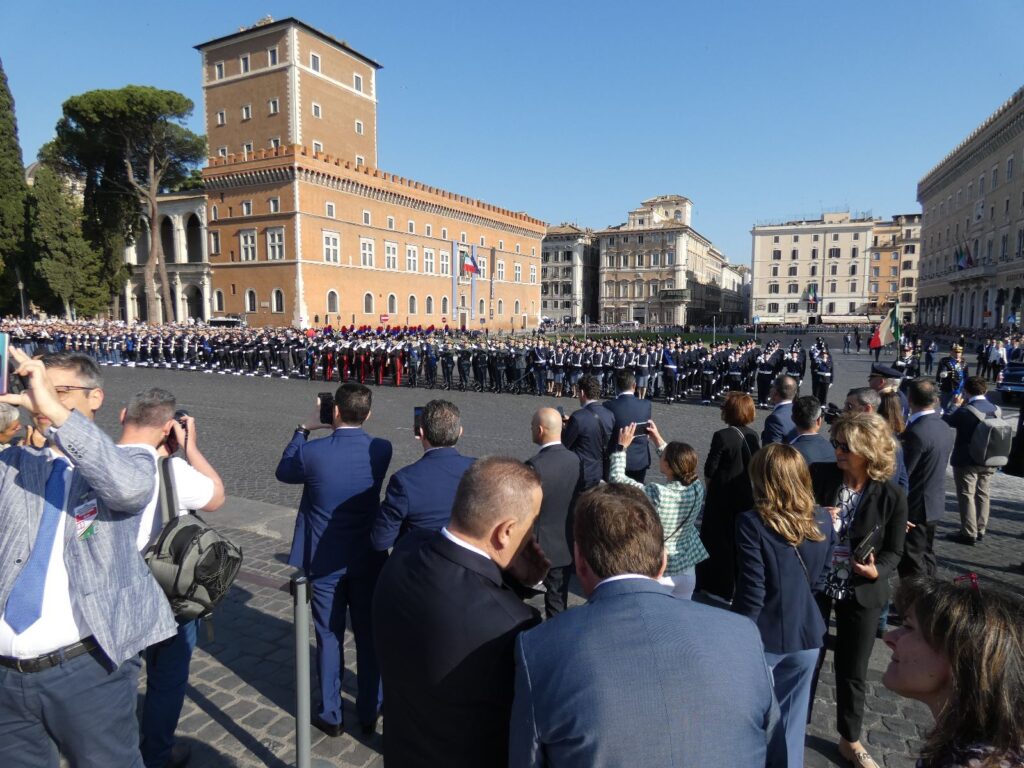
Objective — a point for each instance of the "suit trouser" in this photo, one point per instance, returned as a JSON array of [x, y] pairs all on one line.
[[792, 675], [80, 706], [855, 637], [637, 474], [167, 666], [973, 499], [918, 552], [332, 595], [556, 598]]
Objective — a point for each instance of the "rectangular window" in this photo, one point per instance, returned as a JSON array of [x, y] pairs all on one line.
[[412, 258], [533, 274], [359, 127], [275, 204], [793, 306], [275, 143], [655, 259], [248, 242], [517, 272], [332, 248], [481, 264], [215, 242], [773, 307], [272, 57], [317, 111], [366, 218], [833, 253], [222, 152], [777, 254], [357, 82], [390, 255], [445, 263], [360, 160], [391, 222], [428, 261], [366, 251], [218, 70], [329, 210], [274, 106], [247, 111], [243, 63], [247, 148], [318, 147], [314, 62], [275, 244], [411, 227], [794, 255], [247, 207], [222, 117], [444, 233], [429, 230], [501, 270]]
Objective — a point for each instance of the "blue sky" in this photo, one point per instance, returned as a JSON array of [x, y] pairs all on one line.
[[575, 110]]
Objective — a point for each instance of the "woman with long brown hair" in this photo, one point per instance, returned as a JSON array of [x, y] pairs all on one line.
[[961, 652], [783, 552]]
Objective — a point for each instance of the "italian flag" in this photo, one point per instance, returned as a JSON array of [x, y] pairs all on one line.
[[888, 330]]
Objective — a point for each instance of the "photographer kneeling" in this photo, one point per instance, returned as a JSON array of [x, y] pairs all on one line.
[[150, 421]]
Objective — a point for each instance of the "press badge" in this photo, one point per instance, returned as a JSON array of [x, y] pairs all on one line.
[[85, 519]]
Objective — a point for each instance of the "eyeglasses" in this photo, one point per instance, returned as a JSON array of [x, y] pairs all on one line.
[[839, 446], [65, 389]]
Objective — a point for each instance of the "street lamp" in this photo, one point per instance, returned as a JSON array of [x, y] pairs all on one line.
[[21, 291]]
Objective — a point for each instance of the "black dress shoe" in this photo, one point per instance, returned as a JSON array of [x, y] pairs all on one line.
[[331, 729], [981, 536], [180, 755], [959, 538], [368, 729]]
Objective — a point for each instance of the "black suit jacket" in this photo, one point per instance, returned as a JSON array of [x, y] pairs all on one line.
[[561, 479], [445, 624], [927, 445], [588, 434], [629, 409], [964, 422], [882, 504]]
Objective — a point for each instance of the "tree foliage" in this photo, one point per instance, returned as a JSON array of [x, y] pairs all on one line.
[[13, 190], [129, 142], [63, 259]]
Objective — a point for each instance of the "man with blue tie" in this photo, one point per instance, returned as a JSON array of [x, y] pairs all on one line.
[[637, 677], [588, 432], [342, 475], [779, 426], [628, 409], [78, 602], [421, 494]]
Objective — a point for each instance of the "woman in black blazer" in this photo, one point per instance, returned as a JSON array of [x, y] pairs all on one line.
[[870, 519], [728, 494], [783, 554]]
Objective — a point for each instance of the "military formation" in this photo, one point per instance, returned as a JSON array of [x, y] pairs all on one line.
[[670, 369]]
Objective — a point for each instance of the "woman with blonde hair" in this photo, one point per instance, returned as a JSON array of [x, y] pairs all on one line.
[[783, 553], [869, 513]]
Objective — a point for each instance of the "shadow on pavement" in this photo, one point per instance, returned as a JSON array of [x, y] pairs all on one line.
[[207, 755]]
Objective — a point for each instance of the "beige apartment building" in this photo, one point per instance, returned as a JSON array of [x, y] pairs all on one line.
[[569, 274], [657, 269], [972, 238], [893, 268], [812, 271], [305, 229]]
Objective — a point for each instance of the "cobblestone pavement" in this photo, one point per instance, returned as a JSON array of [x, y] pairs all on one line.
[[240, 705]]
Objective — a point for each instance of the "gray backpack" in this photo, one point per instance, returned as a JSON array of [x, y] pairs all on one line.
[[991, 440], [193, 563]]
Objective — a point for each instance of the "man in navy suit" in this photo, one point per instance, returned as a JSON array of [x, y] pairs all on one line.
[[421, 494], [637, 676], [342, 476], [446, 614], [813, 446], [971, 480], [927, 445], [779, 426], [561, 479], [588, 432], [628, 409]]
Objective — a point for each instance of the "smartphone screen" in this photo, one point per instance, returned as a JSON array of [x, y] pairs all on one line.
[[326, 403], [417, 420], [4, 361], [641, 428]]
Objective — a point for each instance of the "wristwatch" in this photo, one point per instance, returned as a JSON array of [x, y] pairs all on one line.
[[303, 430]]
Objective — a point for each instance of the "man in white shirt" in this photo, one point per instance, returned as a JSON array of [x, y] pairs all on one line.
[[149, 421]]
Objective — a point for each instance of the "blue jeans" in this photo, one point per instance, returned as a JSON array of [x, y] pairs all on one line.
[[793, 673], [166, 678], [80, 706]]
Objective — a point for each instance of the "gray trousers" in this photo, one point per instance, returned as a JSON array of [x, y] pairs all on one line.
[[973, 499]]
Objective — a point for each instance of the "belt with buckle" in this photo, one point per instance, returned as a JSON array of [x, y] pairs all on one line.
[[52, 659]]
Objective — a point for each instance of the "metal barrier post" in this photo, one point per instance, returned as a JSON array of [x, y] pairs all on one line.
[[299, 587]]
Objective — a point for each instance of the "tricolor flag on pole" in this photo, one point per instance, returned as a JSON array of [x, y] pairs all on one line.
[[469, 263], [888, 331]]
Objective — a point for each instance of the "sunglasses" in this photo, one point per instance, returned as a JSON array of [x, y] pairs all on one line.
[[840, 446]]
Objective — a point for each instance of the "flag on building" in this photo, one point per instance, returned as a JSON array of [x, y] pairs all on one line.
[[888, 330], [812, 294], [959, 259], [469, 263]]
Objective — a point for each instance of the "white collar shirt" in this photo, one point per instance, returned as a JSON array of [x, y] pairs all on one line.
[[464, 544], [919, 414]]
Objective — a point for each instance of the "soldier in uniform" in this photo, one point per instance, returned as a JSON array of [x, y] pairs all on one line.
[[823, 376], [951, 375]]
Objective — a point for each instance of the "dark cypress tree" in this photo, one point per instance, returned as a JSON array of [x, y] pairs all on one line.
[[13, 190]]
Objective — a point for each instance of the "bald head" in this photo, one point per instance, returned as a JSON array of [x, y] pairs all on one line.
[[494, 488], [546, 426]]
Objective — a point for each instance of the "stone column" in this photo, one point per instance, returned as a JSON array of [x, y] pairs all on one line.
[[129, 299], [180, 241], [204, 285], [176, 296]]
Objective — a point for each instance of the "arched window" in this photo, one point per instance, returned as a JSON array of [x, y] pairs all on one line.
[[412, 304], [462, 301], [678, 215], [218, 301], [250, 300], [482, 308], [278, 300], [444, 305], [516, 310], [332, 301], [392, 304], [501, 307], [368, 304], [430, 305]]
